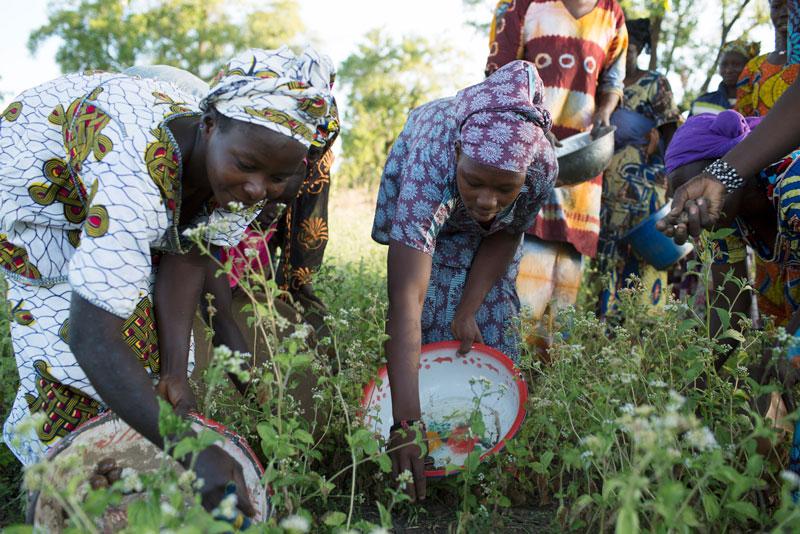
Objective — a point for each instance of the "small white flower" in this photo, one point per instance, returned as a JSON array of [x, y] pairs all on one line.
[[405, 478], [792, 478], [227, 506], [281, 322], [301, 332], [195, 232], [671, 421], [168, 510], [379, 530], [701, 438], [658, 383], [676, 400], [295, 523], [187, 478], [131, 483], [627, 408], [222, 352], [235, 207]]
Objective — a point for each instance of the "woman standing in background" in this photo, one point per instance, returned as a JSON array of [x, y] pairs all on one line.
[[635, 185]]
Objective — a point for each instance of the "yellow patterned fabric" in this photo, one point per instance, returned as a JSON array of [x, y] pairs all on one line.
[[140, 333], [64, 407]]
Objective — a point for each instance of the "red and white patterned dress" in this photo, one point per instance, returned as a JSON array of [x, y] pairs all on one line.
[[576, 59]]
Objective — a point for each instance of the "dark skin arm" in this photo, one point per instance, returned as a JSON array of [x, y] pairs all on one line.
[[226, 331], [409, 273], [698, 203], [654, 137], [180, 284], [124, 385], [491, 262], [606, 104], [667, 131]]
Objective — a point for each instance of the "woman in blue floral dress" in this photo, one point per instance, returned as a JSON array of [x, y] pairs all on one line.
[[464, 180]]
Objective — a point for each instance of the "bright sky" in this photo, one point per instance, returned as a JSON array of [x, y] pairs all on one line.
[[336, 31]]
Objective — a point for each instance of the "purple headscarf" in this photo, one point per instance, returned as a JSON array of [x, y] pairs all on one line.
[[708, 136], [502, 119]]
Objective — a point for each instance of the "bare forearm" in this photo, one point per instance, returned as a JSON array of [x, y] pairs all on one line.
[[772, 139], [491, 262], [226, 331], [409, 272], [404, 329], [608, 101], [667, 131], [113, 370], [177, 292]]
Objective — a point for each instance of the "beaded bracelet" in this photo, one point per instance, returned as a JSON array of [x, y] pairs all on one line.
[[725, 173]]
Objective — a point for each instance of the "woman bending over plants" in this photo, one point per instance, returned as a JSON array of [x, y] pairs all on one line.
[[464, 180], [100, 175]]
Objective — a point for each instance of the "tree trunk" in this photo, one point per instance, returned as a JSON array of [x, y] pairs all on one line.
[[726, 30], [655, 35]]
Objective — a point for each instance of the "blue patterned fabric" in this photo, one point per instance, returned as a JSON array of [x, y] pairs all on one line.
[[419, 206], [712, 102], [793, 46]]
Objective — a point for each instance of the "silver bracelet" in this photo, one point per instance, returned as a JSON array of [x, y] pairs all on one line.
[[725, 173]]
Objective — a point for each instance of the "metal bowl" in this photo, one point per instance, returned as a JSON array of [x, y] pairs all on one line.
[[585, 155]]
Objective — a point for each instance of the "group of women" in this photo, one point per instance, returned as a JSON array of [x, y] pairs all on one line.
[[102, 176], [741, 171]]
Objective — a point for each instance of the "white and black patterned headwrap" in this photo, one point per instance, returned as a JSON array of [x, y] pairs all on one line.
[[280, 90]]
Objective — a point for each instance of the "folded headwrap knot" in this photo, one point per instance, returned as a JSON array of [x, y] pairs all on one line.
[[745, 48], [287, 93], [707, 136], [502, 119]]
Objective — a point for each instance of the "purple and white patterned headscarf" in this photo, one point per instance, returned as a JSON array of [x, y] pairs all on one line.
[[502, 119]]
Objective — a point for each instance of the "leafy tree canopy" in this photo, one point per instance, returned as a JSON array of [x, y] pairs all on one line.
[[385, 79], [196, 35]]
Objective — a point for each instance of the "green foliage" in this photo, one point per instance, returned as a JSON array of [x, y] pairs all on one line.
[[385, 79], [630, 427], [12, 500], [196, 35]]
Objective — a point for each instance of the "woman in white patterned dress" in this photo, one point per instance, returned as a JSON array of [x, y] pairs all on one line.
[[99, 176]]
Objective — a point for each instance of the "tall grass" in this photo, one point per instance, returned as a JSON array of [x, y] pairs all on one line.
[[11, 497]]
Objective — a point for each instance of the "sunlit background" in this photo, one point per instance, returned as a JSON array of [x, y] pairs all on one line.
[[405, 52]]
